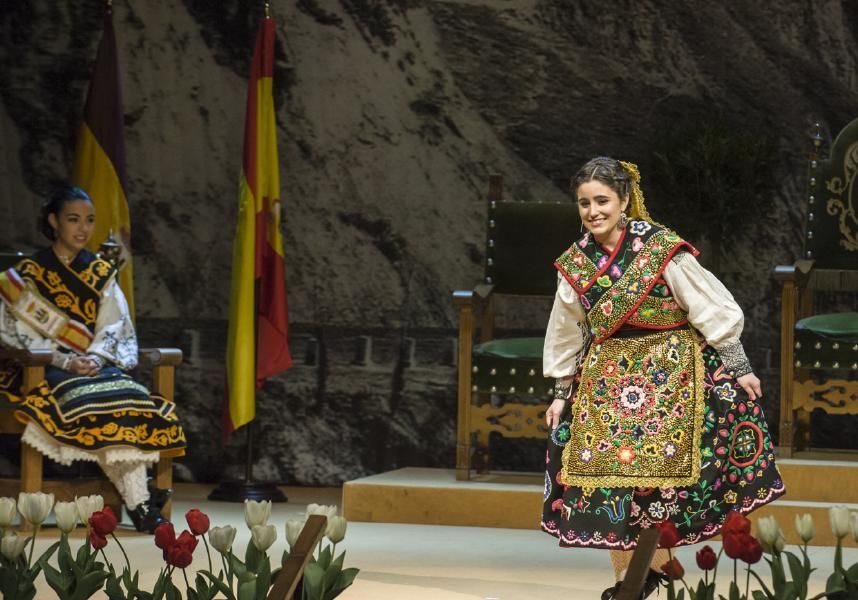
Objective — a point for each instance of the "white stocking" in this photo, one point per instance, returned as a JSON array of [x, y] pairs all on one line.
[[129, 478]]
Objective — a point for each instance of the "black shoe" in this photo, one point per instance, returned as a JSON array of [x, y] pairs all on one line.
[[611, 592], [654, 579], [158, 496], [146, 517]]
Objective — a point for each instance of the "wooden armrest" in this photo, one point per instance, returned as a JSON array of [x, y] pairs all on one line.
[[797, 273], [161, 357], [462, 298], [28, 358], [481, 293]]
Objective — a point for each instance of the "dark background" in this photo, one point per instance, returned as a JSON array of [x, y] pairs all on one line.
[[391, 115]]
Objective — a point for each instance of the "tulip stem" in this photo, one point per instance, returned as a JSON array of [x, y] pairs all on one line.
[[118, 543], [226, 569], [33, 544], [748, 580], [208, 553], [187, 583]]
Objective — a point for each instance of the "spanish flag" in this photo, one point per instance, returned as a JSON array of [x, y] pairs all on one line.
[[257, 342], [99, 161]]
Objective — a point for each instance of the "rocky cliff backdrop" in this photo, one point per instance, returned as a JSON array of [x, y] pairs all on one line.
[[391, 115]]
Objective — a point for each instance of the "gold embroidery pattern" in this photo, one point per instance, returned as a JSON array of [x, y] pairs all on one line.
[[96, 274], [849, 190], [61, 295], [638, 413], [160, 430], [612, 308]]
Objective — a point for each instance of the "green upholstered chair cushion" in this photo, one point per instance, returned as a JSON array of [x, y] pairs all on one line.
[[827, 341], [834, 325], [521, 348]]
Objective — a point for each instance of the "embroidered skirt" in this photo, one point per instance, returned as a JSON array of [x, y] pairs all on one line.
[[108, 411], [657, 430]]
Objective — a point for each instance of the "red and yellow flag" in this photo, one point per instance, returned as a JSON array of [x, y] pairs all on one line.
[[258, 342], [99, 160]]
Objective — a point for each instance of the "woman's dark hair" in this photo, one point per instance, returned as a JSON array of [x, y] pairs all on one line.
[[605, 170], [55, 204]]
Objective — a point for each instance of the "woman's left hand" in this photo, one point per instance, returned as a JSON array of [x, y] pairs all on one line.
[[751, 384]]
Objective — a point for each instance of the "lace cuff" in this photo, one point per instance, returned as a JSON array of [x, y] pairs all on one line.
[[563, 389], [734, 359]]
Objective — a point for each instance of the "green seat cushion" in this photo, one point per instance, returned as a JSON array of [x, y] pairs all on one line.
[[513, 348], [833, 325]]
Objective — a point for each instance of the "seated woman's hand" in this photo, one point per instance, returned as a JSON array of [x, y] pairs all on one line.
[[751, 384], [552, 415], [83, 365]]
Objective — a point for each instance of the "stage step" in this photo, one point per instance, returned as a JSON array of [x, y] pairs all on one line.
[[513, 500]]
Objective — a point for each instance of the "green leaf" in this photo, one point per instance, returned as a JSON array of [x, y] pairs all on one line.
[[313, 575], [734, 591], [247, 589], [347, 576], [237, 566], [253, 557], [219, 585], [325, 558], [263, 579]]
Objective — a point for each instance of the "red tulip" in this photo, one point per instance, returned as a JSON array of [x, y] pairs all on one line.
[[673, 569], [734, 544], [103, 521], [178, 556], [97, 540], [165, 536], [198, 521], [753, 551], [735, 523], [706, 558], [186, 541], [669, 534]]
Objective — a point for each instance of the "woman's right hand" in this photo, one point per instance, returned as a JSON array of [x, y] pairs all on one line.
[[81, 365], [552, 415]]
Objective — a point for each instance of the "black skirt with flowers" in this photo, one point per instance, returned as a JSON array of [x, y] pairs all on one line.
[[737, 474]]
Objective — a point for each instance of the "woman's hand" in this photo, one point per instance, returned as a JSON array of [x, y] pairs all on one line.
[[751, 384], [552, 415], [83, 365]]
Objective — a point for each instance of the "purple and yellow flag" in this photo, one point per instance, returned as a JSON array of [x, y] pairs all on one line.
[[99, 161], [258, 340]]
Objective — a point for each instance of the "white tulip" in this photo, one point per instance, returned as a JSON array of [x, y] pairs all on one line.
[[35, 507], [840, 521], [12, 546], [86, 505], [321, 509], [336, 530], [8, 508], [222, 538], [769, 534], [66, 516], [293, 530], [256, 513], [805, 529], [263, 536]]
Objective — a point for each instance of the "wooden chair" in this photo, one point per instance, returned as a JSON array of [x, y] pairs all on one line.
[[163, 362], [522, 241], [287, 583], [819, 350]]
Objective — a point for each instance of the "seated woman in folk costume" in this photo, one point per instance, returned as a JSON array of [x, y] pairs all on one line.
[[655, 416], [66, 299]]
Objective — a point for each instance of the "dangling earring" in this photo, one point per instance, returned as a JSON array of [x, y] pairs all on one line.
[[582, 226], [623, 220]]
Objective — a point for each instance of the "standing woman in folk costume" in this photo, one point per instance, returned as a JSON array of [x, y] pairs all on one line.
[[655, 415], [66, 299]]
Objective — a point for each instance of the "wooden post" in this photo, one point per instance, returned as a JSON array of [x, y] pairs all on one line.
[[464, 305], [788, 309], [164, 361], [299, 555], [636, 574], [31, 460]]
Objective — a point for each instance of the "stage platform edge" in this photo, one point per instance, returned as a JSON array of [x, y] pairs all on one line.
[[426, 496]]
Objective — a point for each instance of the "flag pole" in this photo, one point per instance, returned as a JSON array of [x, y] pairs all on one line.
[[249, 489]]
